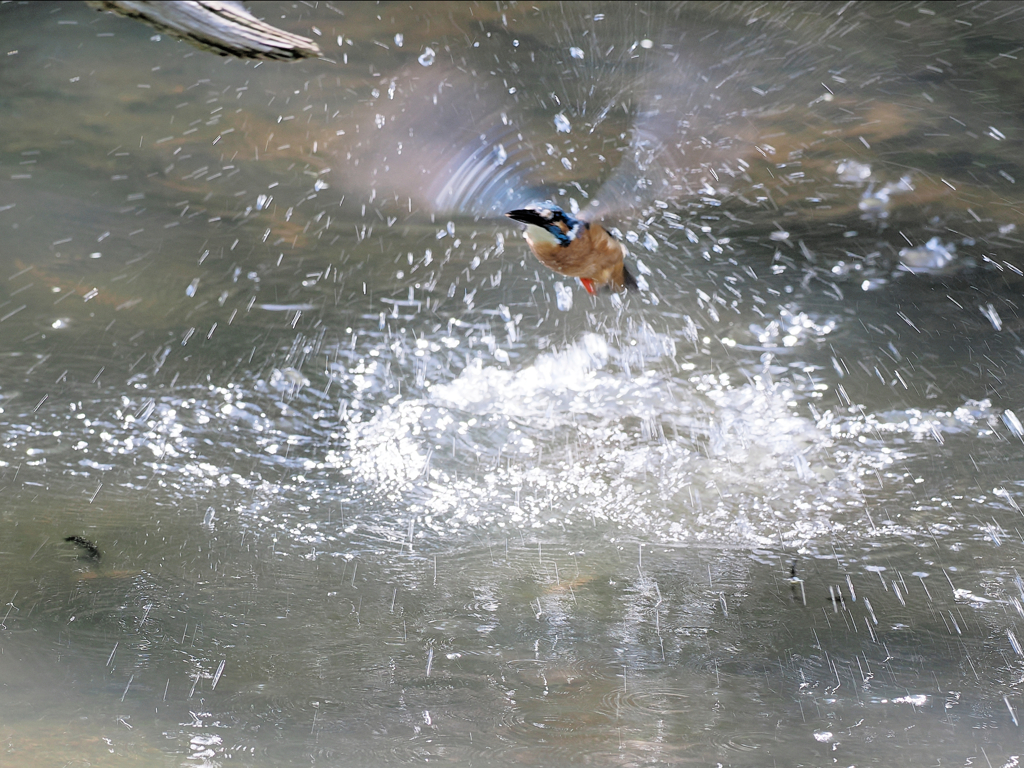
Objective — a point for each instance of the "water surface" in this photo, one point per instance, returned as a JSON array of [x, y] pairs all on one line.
[[370, 486]]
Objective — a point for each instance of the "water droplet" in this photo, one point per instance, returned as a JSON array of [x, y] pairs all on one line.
[[576, 53], [399, 39], [1013, 423], [562, 123], [989, 311], [646, 44], [563, 297], [427, 57], [851, 170]]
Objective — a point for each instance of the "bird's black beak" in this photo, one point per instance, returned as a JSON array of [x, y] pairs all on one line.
[[527, 216]]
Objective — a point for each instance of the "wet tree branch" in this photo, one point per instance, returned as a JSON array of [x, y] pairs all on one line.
[[223, 27]]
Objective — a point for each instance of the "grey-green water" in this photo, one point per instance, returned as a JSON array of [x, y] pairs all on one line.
[[367, 490]]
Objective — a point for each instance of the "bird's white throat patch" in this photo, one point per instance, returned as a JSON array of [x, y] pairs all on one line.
[[535, 234]]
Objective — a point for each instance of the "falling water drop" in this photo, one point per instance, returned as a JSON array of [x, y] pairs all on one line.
[[563, 297], [1013, 423]]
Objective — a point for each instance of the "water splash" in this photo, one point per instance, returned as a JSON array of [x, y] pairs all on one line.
[[427, 57], [583, 441]]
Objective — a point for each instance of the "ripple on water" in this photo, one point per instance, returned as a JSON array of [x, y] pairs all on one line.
[[373, 738], [641, 703], [546, 676]]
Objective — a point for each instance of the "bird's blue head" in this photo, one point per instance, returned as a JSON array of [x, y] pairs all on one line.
[[562, 227]]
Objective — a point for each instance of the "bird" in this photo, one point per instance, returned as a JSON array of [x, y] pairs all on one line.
[[575, 247], [420, 148]]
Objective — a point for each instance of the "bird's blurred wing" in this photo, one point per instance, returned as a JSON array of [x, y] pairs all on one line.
[[674, 147], [445, 142]]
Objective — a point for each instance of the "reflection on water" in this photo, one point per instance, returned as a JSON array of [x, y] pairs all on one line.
[[371, 486]]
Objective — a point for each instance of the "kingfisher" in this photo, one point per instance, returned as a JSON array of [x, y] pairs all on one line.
[[575, 248]]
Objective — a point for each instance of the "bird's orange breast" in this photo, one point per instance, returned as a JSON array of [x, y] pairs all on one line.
[[594, 256]]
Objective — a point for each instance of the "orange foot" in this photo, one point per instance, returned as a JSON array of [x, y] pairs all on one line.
[[589, 285]]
